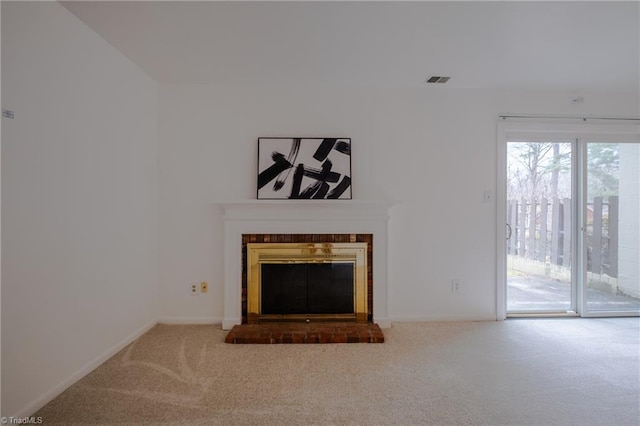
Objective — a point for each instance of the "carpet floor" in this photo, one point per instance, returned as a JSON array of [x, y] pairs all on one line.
[[515, 372]]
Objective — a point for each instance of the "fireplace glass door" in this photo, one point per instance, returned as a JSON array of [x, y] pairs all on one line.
[[307, 288]]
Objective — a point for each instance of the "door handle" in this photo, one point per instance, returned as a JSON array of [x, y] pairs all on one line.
[[508, 231]]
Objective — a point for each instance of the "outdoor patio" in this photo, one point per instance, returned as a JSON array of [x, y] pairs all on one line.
[[534, 293]]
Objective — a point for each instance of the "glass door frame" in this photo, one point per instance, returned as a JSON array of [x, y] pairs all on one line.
[[580, 131]]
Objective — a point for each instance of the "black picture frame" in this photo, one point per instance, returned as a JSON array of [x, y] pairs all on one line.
[[304, 168]]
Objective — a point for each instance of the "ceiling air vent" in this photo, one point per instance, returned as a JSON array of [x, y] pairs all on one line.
[[437, 79]]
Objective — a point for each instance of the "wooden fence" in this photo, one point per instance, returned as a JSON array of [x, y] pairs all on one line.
[[540, 230]]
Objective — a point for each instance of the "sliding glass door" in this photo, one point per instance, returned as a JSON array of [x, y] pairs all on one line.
[[570, 221], [612, 227], [540, 227]]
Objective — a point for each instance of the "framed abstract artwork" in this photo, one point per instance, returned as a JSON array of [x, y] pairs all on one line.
[[304, 168]]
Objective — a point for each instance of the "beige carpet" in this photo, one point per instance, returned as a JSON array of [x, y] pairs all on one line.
[[517, 372]]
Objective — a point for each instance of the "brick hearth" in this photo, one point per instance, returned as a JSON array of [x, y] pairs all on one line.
[[270, 333]]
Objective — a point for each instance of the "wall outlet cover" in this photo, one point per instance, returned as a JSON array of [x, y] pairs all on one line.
[[193, 289]]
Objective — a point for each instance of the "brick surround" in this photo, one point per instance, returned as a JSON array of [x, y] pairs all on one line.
[[309, 238]]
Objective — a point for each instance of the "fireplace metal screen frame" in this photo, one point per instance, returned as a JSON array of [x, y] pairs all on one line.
[[260, 253]]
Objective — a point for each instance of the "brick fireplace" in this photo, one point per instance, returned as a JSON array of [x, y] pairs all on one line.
[[313, 221]]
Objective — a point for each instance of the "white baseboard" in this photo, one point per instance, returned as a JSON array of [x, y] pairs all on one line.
[[382, 322], [443, 318], [227, 324], [190, 320], [47, 397]]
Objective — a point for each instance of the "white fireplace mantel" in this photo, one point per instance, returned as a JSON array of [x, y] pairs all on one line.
[[302, 217]]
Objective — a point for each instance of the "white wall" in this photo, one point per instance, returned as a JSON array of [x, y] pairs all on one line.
[[434, 151], [79, 202]]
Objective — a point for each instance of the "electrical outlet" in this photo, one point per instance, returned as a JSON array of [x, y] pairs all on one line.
[[193, 289], [204, 287], [455, 285]]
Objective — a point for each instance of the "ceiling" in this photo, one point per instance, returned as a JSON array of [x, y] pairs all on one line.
[[499, 45]]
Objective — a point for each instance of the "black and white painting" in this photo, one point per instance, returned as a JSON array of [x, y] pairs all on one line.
[[304, 168]]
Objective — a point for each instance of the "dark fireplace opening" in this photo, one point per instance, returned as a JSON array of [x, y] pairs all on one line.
[[307, 288]]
